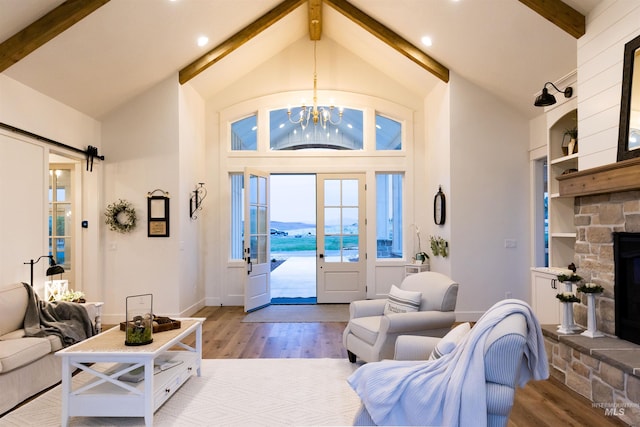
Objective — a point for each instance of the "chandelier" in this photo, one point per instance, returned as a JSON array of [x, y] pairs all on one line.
[[319, 115]]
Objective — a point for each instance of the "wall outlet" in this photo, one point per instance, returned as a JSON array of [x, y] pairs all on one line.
[[510, 243]]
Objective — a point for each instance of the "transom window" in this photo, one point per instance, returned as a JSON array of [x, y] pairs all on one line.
[[346, 135]]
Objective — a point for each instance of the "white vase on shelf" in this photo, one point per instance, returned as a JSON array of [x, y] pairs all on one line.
[[592, 329]]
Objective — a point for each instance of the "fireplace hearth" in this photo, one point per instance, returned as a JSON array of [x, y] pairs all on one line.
[[626, 256]]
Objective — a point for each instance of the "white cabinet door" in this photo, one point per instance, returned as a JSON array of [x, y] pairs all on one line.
[[544, 287]]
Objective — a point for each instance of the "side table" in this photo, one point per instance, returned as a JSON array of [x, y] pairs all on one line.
[[410, 269]]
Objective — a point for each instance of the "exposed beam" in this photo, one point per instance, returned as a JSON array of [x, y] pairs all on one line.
[[315, 19], [44, 29], [562, 15], [391, 38], [238, 39]]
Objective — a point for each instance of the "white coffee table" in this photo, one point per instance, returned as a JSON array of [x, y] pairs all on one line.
[[104, 395]]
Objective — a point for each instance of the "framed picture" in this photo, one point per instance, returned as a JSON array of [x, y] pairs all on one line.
[[158, 215]]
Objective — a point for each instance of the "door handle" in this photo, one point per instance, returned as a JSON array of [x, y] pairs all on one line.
[[553, 284], [321, 256], [249, 265]]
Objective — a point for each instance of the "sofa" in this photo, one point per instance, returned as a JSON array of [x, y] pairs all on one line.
[[28, 364]]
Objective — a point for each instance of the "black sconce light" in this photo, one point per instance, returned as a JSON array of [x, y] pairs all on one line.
[[195, 202], [545, 98], [53, 267]]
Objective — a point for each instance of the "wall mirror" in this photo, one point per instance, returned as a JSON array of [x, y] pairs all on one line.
[[629, 133]]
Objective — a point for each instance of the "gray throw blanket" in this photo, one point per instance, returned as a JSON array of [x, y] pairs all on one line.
[[68, 320]]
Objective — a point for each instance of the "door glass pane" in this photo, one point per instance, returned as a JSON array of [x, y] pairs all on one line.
[[253, 243], [253, 220], [332, 223], [349, 192], [350, 221], [253, 188], [332, 192], [262, 190], [332, 248], [350, 249], [262, 220], [262, 249]]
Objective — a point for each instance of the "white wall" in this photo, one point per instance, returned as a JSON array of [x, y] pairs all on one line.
[[24, 184], [489, 199], [142, 139], [192, 250], [600, 59]]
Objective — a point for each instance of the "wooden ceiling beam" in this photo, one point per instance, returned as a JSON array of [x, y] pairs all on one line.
[[44, 29], [238, 39], [391, 38], [562, 15], [315, 19]]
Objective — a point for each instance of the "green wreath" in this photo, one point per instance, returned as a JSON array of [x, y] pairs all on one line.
[[120, 216]]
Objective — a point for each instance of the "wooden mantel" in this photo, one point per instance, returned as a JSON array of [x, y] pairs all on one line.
[[620, 176]]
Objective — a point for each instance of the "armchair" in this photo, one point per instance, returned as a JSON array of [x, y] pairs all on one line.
[[371, 334], [503, 350]]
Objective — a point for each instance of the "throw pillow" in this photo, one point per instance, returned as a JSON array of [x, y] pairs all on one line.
[[450, 341], [401, 301]]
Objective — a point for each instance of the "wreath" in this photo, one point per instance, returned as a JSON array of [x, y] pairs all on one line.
[[120, 216]]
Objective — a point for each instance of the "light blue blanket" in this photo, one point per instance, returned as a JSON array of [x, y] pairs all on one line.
[[450, 391]]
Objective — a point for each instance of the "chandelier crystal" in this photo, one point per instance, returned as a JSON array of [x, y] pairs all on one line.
[[318, 115]]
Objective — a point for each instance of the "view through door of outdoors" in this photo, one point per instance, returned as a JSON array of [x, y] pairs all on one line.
[[293, 239]]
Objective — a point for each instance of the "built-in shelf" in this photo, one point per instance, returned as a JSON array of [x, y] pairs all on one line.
[[566, 235]]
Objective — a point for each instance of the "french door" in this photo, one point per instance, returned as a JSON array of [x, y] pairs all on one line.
[[257, 289], [341, 266]]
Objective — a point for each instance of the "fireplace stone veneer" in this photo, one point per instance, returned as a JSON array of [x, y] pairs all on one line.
[[605, 370]]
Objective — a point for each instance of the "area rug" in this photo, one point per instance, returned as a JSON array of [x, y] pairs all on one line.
[[232, 392], [299, 313]]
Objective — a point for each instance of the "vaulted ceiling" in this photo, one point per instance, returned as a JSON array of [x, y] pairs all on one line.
[[124, 47]]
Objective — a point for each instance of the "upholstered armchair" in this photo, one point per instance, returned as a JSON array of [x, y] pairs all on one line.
[[512, 353], [371, 334]]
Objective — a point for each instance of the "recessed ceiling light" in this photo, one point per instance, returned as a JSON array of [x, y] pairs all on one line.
[[426, 40], [203, 40]]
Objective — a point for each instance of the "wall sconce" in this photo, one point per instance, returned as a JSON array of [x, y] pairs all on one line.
[[53, 267], [195, 202], [545, 98]]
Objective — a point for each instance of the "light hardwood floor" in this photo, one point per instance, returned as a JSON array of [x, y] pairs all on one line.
[[224, 336]]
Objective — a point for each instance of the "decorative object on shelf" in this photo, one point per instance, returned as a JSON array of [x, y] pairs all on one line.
[[120, 216], [439, 207], [55, 289], [158, 214], [591, 290], [139, 321], [567, 298], [421, 257], [439, 246], [52, 270], [195, 201], [318, 115], [570, 141], [72, 296], [545, 98]]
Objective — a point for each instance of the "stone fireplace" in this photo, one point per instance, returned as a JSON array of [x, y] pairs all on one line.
[[605, 370]]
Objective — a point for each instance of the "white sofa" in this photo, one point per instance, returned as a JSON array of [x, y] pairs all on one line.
[[28, 365]]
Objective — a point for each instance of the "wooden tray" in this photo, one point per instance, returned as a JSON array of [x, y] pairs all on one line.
[[158, 327]]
